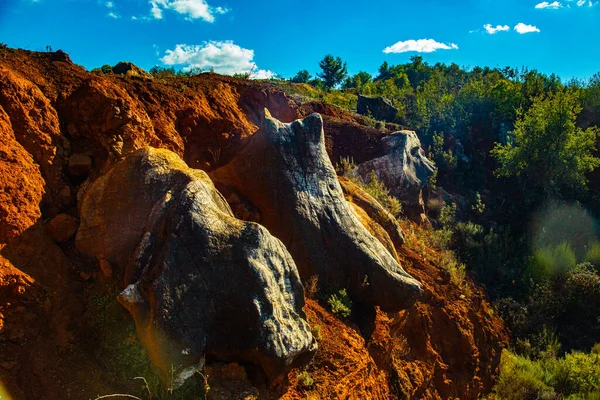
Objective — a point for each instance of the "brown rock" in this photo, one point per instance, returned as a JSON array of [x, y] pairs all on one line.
[[21, 184], [62, 227], [106, 269], [79, 165]]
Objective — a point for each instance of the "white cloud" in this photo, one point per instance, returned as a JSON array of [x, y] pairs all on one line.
[[225, 57], [554, 6], [113, 15], [499, 28], [523, 28], [581, 2], [191, 9], [262, 74], [109, 4], [420, 46]]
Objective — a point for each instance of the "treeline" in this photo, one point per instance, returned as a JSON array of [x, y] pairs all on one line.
[[517, 151]]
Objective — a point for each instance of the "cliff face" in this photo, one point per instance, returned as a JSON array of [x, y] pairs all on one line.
[[62, 127]]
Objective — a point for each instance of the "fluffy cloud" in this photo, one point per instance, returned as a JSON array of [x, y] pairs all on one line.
[[523, 28], [113, 15], [225, 57], [420, 46], [554, 6], [499, 28], [191, 9]]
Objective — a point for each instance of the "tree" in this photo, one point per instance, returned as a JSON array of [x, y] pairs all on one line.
[[301, 77], [384, 71], [358, 81], [547, 149], [334, 71]]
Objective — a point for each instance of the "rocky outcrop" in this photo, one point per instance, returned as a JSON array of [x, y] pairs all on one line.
[[285, 172], [131, 70], [404, 169], [376, 107], [50, 324], [200, 282]]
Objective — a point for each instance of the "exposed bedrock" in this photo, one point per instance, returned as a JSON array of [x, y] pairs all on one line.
[[200, 283], [404, 169], [285, 172]]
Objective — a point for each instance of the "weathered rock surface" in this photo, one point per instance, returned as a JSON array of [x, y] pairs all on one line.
[[201, 282], [404, 169], [285, 172], [129, 69], [79, 165], [21, 184], [376, 107], [62, 227]]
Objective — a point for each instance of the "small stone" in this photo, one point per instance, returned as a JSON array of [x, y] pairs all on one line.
[[62, 227], [79, 165]]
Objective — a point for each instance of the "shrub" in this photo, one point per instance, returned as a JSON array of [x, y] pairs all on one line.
[[550, 261], [521, 378], [373, 186], [593, 254], [340, 304], [305, 379], [316, 332]]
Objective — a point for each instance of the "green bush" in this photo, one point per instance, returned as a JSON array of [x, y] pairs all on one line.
[[340, 304], [521, 378], [373, 186], [575, 376], [305, 380], [553, 260]]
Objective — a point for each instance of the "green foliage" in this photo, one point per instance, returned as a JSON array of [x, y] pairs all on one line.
[[340, 304], [170, 72], [334, 71], [547, 149], [242, 75], [301, 77], [576, 376], [593, 254], [358, 81], [305, 380], [553, 260], [591, 96], [316, 332], [448, 215], [381, 193], [373, 186], [478, 207]]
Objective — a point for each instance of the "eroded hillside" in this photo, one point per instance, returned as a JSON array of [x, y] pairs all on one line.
[[62, 128]]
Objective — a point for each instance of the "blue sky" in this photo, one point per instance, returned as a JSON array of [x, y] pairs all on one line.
[[288, 35]]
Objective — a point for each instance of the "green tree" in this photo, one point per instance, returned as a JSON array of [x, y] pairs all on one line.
[[334, 71], [302, 76], [547, 149], [358, 81]]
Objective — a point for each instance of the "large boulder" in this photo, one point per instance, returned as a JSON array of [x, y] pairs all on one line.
[[284, 171], [376, 107], [199, 281], [404, 169]]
